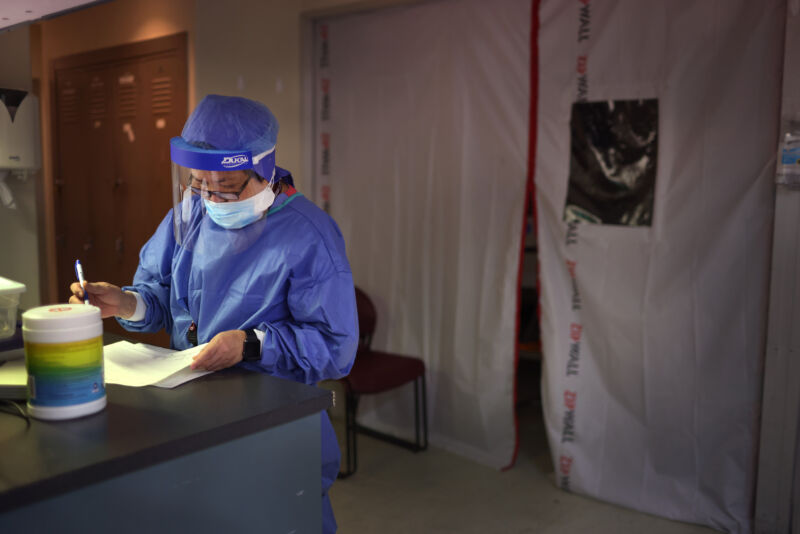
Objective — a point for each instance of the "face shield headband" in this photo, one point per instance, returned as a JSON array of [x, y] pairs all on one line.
[[192, 157]]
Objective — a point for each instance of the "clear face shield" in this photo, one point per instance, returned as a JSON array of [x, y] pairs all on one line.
[[219, 197]]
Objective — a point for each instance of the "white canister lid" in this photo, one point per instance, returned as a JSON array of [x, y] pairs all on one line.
[[61, 322], [10, 286]]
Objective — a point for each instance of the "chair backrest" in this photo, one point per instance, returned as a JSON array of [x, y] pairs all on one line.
[[367, 317]]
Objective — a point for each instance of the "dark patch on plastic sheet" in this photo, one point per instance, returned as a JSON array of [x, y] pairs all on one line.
[[614, 151]]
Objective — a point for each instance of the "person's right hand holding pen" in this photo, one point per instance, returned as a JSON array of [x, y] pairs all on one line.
[[111, 299]]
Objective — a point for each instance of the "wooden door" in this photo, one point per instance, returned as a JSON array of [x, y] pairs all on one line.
[[115, 111]]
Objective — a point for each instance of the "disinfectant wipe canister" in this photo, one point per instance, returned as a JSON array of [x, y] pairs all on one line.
[[64, 359]]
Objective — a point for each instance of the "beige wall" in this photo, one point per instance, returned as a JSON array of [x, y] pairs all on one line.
[[15, 59], [102, 26]]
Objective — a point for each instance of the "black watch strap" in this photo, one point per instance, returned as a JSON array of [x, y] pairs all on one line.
[[251, 352]]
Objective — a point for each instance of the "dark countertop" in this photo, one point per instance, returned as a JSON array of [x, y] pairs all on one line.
[[141, 427]]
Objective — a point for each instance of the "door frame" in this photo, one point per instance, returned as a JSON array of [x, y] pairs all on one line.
[[777, 506]]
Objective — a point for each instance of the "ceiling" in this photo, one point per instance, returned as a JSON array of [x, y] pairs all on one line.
[[16, 12]]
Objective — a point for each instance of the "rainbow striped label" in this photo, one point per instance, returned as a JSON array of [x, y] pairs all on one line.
[[65, 374]]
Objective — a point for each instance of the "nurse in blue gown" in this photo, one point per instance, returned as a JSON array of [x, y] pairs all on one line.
[[244, 263]]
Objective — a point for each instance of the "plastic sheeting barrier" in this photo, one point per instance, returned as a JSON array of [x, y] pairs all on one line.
[[653, 316]]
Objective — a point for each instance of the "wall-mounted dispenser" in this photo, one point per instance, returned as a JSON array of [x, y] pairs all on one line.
[[20, 149]]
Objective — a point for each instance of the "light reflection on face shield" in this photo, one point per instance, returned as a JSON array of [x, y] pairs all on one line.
[[186, 206]]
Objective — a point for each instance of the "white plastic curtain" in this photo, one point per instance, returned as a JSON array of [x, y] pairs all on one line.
[[422, 144], [653, 334]]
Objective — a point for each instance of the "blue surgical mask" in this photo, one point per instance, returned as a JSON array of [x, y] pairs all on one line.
[[238, 214]]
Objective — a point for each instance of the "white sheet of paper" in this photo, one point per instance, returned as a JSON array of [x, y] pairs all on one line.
[[176, 379], [138, 364]]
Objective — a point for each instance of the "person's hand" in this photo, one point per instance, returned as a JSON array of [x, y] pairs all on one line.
[[224, 350], [111, 300]]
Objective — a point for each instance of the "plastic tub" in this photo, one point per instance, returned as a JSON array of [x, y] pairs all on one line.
[[9, 301], [64, 360]]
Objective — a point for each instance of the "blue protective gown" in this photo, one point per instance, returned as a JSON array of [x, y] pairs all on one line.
[[293, 282]]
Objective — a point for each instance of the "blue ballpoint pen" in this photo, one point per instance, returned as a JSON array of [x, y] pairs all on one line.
[[81, 280]]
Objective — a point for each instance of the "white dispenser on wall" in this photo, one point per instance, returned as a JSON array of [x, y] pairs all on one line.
[[20, 149]]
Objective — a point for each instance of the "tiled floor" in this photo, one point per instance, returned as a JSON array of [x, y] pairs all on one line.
[[396, 491]]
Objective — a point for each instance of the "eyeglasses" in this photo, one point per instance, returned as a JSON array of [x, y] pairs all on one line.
[[225, 196]]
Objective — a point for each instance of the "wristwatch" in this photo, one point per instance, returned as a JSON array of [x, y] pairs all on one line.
[[251, 351]]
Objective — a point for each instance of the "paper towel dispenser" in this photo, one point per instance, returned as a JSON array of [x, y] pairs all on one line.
[[20, 148]]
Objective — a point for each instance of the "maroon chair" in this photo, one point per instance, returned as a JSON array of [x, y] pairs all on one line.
[[375, 372]]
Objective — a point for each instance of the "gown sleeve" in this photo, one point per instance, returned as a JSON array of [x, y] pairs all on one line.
[[319, 337], [152, 280]]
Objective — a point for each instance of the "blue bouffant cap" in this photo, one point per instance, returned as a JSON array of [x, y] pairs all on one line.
[[234, 123]]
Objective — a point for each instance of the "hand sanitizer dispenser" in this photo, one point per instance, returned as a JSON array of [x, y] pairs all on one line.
[[20, 150]]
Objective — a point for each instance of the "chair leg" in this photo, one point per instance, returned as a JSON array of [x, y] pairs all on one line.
[[421, 446], [424, 413], [351, 446], [416, 413], [353, 427], [414, 446]]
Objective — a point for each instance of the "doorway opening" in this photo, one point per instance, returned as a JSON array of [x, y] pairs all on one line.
[[533, 444]]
